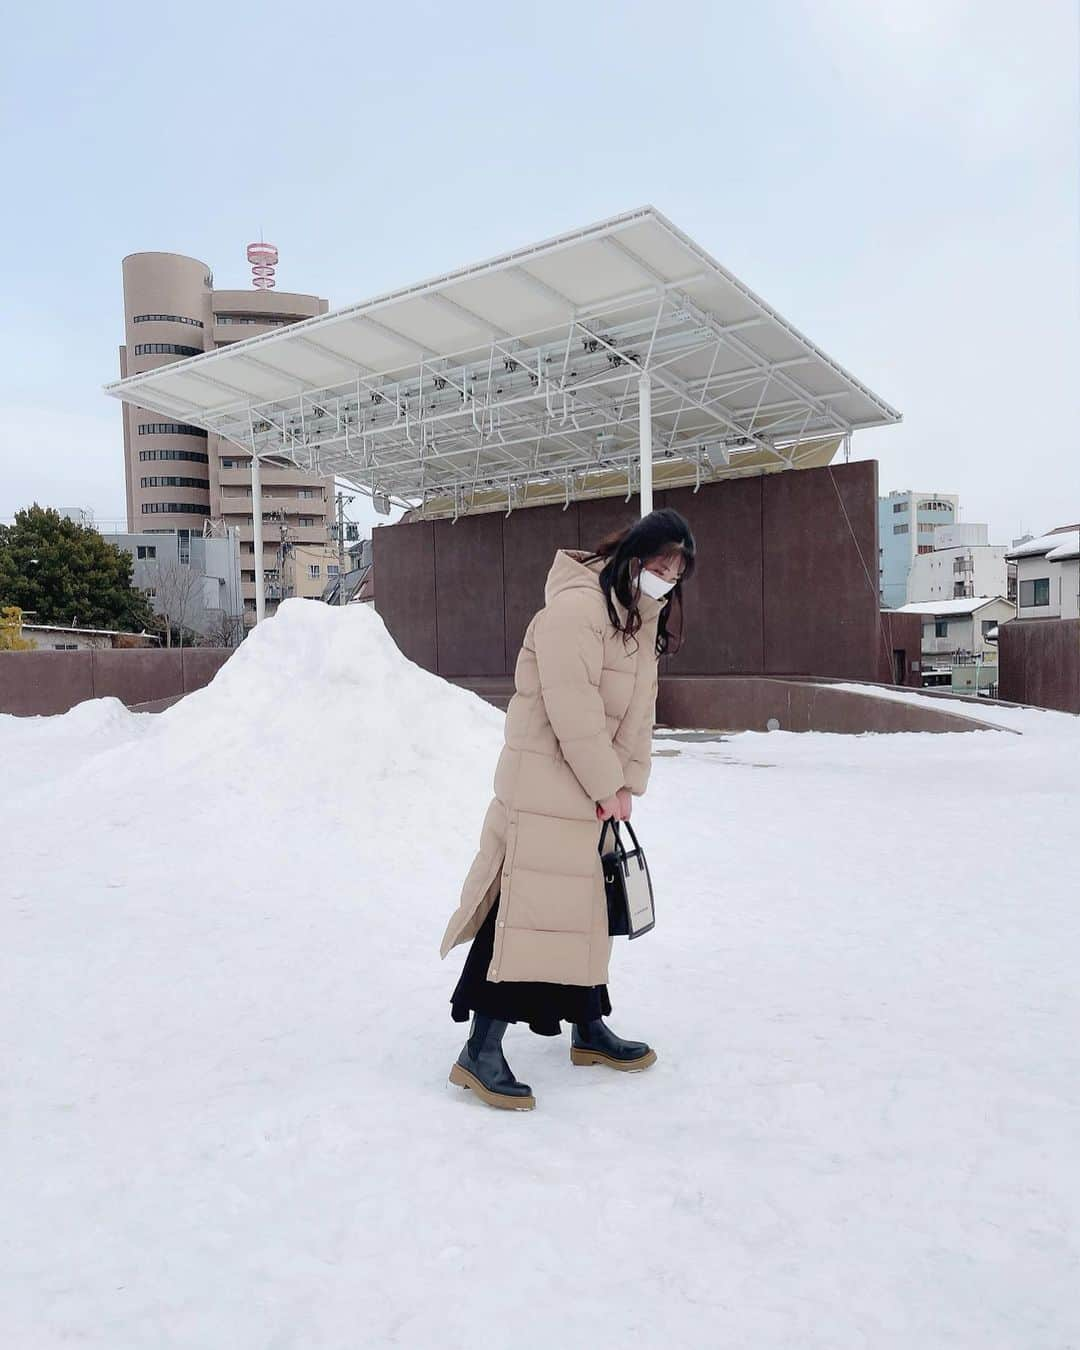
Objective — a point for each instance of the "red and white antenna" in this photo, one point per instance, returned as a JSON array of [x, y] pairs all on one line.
[[263, 259]]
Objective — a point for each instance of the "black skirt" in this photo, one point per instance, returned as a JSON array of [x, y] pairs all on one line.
[[544, 1006]]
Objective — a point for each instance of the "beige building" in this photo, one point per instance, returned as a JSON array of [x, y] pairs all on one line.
[[177, 475], [958, 630]]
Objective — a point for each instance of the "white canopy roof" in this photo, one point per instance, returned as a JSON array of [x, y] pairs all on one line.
[[516, 379]]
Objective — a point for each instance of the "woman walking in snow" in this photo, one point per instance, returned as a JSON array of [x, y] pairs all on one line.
[[577, 749]]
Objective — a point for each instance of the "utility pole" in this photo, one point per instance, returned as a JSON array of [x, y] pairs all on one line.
[[341, 502]]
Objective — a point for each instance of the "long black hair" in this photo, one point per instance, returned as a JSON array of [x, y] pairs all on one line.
[[660, 534]]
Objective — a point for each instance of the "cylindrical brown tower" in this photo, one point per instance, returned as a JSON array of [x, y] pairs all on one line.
[[167, 316]]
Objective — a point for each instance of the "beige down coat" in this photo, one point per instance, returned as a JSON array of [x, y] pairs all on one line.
[[578, 727]]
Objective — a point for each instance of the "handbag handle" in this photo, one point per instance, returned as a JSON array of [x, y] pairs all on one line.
[[619, 845]]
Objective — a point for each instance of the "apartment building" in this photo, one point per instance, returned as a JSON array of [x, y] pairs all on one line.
[[906, 525], [959, 564], [177, 476], [192, 580]]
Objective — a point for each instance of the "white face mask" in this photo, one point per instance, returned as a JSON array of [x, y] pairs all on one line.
[[653, 585]]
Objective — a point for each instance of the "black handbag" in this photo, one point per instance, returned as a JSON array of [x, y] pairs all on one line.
[[627, 884]]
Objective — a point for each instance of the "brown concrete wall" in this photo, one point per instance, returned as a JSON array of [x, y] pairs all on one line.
[[819, 571], [135, 677], [468, 574], [786, 581], [404, 564], [44, 682], [1039, 660], [900, 632], [725, 615], [34, 684], [530, 539]]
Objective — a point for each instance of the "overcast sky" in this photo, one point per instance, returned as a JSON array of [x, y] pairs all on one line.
[[899, 180]]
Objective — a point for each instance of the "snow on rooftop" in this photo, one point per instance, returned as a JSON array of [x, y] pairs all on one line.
[[961, 606], [1064, 542], [1069, 547], [225, 1033]]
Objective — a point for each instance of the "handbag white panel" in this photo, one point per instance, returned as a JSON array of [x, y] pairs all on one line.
[[638, 895]]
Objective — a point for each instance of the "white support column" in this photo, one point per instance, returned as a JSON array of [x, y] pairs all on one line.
[[645, 442], [257, 537]]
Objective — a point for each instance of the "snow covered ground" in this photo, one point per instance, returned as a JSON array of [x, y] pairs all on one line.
[[225, 1035]]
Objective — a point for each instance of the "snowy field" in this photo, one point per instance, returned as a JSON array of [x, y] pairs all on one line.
[[226, 1123]]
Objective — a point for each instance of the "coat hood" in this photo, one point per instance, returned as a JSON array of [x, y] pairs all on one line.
[[569, 571]]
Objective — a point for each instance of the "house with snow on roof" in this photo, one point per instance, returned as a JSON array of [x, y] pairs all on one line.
[[960, 633], [1048, 574]]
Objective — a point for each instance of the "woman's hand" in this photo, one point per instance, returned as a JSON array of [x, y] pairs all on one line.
[[615, 808]]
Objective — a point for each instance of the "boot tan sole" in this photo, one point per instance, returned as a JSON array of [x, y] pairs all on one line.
[[463, 1078], [586, 1057]]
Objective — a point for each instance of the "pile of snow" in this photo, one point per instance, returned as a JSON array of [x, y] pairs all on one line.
[[225, 1035]]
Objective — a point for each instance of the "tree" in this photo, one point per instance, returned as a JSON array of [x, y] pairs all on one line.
[[68, 573], [222, 629], [11, 639], [178, 590]]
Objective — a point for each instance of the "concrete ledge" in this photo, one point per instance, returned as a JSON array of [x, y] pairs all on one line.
[[750, 703]]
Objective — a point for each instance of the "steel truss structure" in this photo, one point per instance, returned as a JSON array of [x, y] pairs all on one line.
[[563, 370]]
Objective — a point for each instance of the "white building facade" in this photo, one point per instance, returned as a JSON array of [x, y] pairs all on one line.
[[1048, 575], [960, 564]]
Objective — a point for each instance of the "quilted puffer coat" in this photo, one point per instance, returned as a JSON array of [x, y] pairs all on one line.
[[578, 727]]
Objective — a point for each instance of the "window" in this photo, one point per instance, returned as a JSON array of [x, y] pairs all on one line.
[[898, 507], [987, 624], [174, 508], [271, 574], [166, 318], [307, 520], [183, 547], [941, 628], [306, 494], [1035, 592], [333, 570], [900, 529], [314, 571], [250, 318], [169, 429], [169, 480], [193, 456], [927, 527], [236, 463], [165, 349], [65, 646], [147, 550], [926, 548], [150, 592], [935, 506]]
